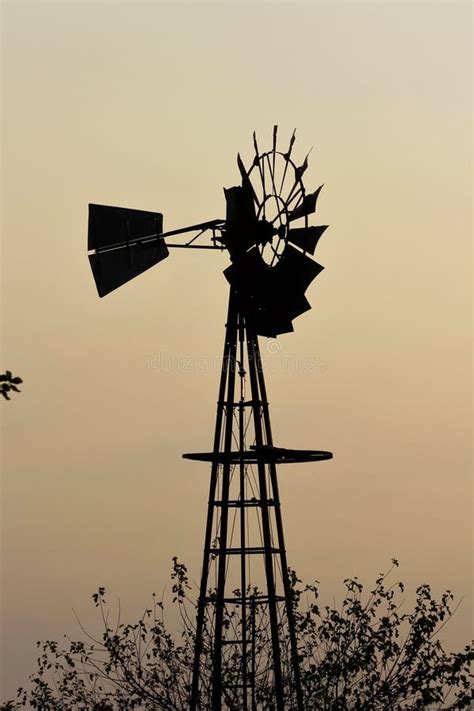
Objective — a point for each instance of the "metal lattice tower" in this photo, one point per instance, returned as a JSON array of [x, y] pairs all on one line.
[[246, 651], [244, 541]]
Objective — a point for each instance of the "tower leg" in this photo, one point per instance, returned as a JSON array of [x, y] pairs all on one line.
[[279, 525], [223, 529], [227, 366], [243, 532], [267, 537]]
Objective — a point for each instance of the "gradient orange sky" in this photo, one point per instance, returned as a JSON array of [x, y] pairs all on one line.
[[146, 105]]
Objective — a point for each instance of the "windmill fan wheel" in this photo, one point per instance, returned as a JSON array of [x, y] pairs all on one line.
[[269, 239]]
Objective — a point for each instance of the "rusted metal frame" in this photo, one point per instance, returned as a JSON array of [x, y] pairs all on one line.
[[194, 704], [268, 557], [280, 533], [217, 686]]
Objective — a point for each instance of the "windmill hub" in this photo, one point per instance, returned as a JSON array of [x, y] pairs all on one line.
[[265, 232]]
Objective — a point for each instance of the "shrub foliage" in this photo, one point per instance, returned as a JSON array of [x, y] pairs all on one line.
[[365, 654]]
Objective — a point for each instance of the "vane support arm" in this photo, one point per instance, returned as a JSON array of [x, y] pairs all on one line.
[[200, 228]]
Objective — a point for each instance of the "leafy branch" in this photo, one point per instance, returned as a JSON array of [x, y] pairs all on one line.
[[365, 654], [8, 383]]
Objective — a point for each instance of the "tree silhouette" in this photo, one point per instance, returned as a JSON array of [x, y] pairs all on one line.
[[365, 655]]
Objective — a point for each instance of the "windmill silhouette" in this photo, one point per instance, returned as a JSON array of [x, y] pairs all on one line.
[[268, 237]]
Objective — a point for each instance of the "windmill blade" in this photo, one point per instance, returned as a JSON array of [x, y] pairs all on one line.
[[275, 132], [246, 182], [307, 207], [255, 145], [272, 296], [272, 325], [296, 305], [248, 275], [306, 238], [290, 147], [302, 168], [268, 319], [287, 159], [114, 225], [251, 279], [242, 168], [113, 267], [274, 145], [275, 317], [285, 287], [294, 272]]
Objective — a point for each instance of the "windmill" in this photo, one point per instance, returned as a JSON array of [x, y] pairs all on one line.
[[270, 243]]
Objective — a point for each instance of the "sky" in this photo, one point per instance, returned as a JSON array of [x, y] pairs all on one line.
[[145, 105]]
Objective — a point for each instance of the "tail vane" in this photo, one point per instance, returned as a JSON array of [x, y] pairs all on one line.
[[124, 242]]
